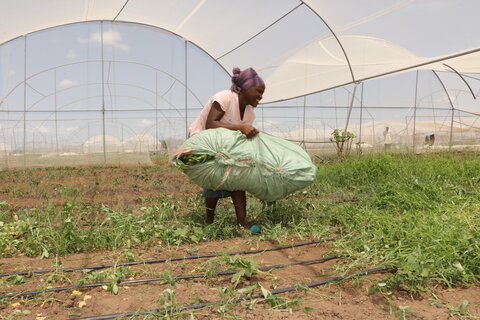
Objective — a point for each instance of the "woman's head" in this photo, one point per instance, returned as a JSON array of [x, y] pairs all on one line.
[[243, 80]]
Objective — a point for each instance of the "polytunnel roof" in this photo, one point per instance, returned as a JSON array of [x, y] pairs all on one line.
[[299, 47]]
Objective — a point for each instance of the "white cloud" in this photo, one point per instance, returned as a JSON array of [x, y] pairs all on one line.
[[65, 83], [110, 37], [41, 129], [50, 130], [11, 73], [71, 54], [146, 123], [66, 130]]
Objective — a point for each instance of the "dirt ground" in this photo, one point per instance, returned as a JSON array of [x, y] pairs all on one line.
[[347, 299]]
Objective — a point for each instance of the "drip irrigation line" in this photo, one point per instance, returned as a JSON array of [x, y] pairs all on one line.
[[244, 298], [163, 260], [175, 278]]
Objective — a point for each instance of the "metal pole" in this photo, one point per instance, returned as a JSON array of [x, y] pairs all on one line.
[[55, 101], [373, 133], [404, 140], [156, 111], [451, 131], [361, 115], [349, 111], [451, 103], [304, 116], [186, 90], [350, 108], [335, 104], [25, 101], [5, 148], [415, 113], [103, 98], [13, 141]]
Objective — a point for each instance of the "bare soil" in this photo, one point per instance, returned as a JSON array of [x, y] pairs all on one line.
[[129, 189]]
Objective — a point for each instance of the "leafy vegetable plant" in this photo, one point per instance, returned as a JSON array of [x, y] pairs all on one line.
[[193, 159]]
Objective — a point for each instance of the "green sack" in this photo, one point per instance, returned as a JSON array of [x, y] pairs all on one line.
[[269, 168]]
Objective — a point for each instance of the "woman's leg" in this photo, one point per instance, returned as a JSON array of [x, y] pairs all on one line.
[[239, 199], [210, 204]]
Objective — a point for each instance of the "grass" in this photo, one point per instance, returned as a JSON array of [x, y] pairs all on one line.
[[419, 212]]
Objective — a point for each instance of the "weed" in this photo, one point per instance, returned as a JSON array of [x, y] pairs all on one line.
[[167, 302], [115, 276], [455, 311], [17, 279], [247, 268], [419, 212], [403, 312]]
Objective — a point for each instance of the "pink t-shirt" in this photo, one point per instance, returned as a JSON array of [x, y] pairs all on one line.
[[228, 101]]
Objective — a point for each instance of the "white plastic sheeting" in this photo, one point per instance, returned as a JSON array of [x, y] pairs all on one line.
[[71, 70], [300, 47]]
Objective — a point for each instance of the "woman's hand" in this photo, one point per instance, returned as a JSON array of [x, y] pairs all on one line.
[[181, 152], [249, 130]]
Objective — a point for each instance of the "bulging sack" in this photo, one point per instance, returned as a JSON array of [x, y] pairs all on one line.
[[269, 168]]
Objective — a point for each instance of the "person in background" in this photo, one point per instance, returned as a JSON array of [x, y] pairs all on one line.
[[387, 139], [231, 109], [429, 140]]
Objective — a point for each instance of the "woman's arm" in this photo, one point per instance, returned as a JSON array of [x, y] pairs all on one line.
[[215, 115]]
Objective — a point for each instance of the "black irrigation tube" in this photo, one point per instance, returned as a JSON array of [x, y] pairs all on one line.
[[163, 260], [183, 277], [244, 298]]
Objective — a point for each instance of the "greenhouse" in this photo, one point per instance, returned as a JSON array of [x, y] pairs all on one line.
[[338, 178], [116, 81]]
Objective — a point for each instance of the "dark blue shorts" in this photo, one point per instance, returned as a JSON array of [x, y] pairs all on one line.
[[207, 193]]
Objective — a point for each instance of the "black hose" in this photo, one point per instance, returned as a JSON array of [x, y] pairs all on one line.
[[183, 277], [132, 263], [244, 298]]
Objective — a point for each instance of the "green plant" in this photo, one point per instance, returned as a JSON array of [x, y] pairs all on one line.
[[167, 301], [117, 274], [17, 279], [342, 141], [112, 276], [193, 159], [403, 312], [461, 310], [419, 212], [247, 268]]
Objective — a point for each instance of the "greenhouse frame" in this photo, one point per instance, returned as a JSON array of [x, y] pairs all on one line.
[[92, 82]]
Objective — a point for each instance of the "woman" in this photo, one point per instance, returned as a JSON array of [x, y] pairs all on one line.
[[231, 109]]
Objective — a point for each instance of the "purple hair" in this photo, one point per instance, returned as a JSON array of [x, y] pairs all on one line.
[[243, 80]]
